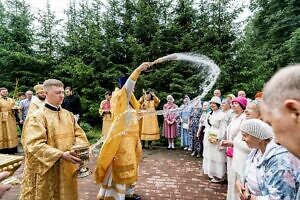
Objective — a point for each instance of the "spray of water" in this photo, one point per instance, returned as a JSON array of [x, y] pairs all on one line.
[[199, 61]]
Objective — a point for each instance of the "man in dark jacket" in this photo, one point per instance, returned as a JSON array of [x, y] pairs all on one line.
[[72, 103]]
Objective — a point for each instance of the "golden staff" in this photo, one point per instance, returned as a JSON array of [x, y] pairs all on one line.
[[16, 88]]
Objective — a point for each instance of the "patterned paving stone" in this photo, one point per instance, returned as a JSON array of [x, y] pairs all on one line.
[[164, 175]]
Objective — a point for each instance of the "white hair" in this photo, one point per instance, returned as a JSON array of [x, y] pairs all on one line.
[[285, 84], [28, 92], [170, 97]]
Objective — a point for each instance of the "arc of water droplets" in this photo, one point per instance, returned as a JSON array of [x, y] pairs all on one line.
[[198, 60]]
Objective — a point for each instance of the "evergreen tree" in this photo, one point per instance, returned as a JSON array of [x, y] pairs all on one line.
[[269, 42], [48, 33], [293, 46], [3, 26], [217, 34], [178, 35], [19, 24], [102, 41], [17, 57]]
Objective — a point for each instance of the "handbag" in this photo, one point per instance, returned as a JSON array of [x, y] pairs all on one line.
[[185, 125], [229, 152], [212, 137]]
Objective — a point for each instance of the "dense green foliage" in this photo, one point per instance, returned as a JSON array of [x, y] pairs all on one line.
[[270, 42], [98, 43]]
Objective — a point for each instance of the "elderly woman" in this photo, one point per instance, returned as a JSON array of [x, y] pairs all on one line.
[[253, 110], [183, 125], [193, 128], [201, 129], [226, 108], [230, 97], [271, 172], [241, 151], [170, 125], [214, 160], [237, 150]]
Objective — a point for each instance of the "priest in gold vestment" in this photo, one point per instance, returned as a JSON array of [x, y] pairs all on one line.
[[8, 129], [48, 136], [38, 100], [117, 165]]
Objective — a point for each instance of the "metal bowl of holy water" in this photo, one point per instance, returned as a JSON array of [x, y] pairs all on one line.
[[82, 152]]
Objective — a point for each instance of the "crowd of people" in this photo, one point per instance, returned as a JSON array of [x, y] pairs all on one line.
[[235, 141], [238, 145], [254, 145]]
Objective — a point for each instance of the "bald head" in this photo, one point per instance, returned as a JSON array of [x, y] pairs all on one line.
[[281, 107], [285, 84]]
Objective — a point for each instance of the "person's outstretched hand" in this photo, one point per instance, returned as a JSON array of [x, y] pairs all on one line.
[[3, 187]]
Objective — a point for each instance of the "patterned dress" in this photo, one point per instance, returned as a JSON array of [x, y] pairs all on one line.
[[170, 129], [193, 128]]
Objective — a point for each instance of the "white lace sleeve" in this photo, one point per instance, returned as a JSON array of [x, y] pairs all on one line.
[[129, 85]]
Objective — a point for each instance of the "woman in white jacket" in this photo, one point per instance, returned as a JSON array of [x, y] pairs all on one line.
[[241, 151], [214, 159]]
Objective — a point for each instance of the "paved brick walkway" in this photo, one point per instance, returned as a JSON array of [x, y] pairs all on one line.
[[164, 175]]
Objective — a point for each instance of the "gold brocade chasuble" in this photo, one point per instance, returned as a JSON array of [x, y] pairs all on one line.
[[122, 148], [8, 130], [46, 135], [34, 105]]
